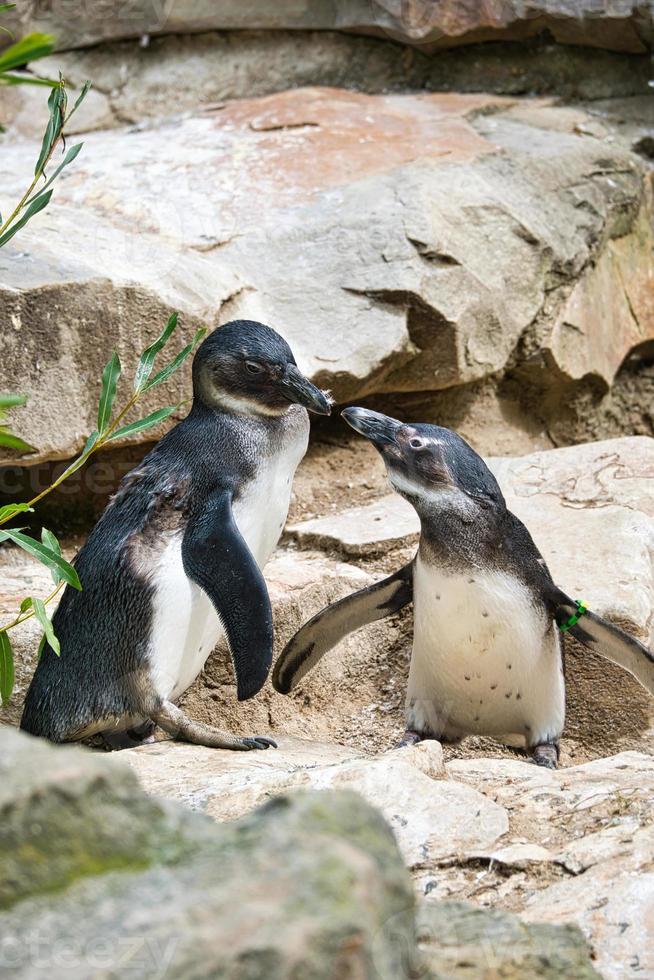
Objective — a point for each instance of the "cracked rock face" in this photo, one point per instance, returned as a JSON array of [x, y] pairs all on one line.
[[622, 25], [401, 243], [573, 846]]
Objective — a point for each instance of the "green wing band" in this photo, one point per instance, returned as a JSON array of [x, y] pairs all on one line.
[[574, 619]]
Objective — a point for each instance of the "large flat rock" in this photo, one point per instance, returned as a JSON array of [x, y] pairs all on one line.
[[621, 25], [358, 225], [595, 822], [571, 847], [433, 819]]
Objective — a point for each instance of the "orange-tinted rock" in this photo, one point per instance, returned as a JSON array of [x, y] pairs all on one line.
[[621, 25]]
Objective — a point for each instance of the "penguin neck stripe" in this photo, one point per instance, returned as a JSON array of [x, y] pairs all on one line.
[[574, 619], [245, 406]]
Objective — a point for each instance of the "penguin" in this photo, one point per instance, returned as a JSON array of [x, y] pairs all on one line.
[[174, 563], [487, 656]]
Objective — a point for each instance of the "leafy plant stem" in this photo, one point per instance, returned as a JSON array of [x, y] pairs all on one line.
[[22, 617], [98, 445], [28, 193]]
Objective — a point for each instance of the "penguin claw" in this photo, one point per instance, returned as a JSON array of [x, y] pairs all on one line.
[[259, 742]]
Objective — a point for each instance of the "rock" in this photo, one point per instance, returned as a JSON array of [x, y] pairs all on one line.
[[68, 814], [177, 74], [596, 821], [462, 942], [378, 527], [305, 886], [391, 241], [589, 510], [622, 25], [227, 785], [433, 819], [25, 109], [612, 906]]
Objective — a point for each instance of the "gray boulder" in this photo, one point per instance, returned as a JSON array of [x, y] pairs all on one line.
[[98, 879]]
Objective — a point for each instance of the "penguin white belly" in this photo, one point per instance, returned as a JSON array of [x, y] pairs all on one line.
[[485, 661], [186, 627]]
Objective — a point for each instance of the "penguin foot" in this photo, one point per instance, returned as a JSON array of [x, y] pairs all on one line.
[[409, 738], [546, 755], [173, 721]]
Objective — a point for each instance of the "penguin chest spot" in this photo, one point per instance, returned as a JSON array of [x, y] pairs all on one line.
[[485, 658]]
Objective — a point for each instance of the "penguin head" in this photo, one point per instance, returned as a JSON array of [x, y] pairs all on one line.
[[432, 467], [247, 368]]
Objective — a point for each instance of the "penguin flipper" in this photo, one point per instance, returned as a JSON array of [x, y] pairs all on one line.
[[607, 640], [216, 557], [333, 623]]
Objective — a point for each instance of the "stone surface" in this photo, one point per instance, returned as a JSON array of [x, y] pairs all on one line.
[[462, 942], [623, 25], [68, 814], [378, 527], [397, 239], [569, 847], [305, 887], [433, 819], [596, 822], [179, 74]]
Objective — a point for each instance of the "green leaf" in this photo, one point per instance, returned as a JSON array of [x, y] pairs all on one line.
[[10, 510], [57, 106], [29, 48], [6, 6], [44, 554], [166, 372], [146, 423], [82, 458], [41, 646], [10, 441], [24, 78], [70, 156], [12, 401], [6, 668], [38, 203], [50, 541], [42, 616], [80, 98], [25, 604], [110, 377], [146, 363]]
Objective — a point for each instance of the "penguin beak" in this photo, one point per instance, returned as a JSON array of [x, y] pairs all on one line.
[[380, 429], [300, 391]]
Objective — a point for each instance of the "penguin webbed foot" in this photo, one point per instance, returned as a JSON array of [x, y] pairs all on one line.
[[546, 755], [409, 738], [412, 737], [173, 721]]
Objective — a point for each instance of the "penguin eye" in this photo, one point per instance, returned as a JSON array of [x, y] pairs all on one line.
[[253, 368], [416, 443]]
